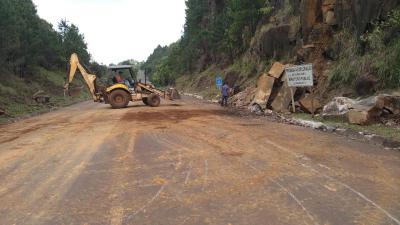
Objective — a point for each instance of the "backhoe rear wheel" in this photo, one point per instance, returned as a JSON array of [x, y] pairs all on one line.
[[119, 99], [154, 100]]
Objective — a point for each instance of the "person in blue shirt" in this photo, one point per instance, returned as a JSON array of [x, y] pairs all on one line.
[[225, 94]]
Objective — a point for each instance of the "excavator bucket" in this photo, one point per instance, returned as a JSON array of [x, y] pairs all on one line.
[[75, 91], [70, 89]]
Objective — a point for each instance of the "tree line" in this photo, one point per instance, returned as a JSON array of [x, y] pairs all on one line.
[[27, 41], [212, 33]]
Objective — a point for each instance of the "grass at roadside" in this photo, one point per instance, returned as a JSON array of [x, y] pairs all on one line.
[[16, 94], [15, 111], [378, 129]]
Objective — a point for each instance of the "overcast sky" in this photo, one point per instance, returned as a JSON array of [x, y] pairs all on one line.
[[116, 30]]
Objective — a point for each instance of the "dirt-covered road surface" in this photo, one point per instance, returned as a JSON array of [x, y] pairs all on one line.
[[188, 163]]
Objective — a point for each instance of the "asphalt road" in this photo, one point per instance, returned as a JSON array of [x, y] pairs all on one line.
[[188, 163]]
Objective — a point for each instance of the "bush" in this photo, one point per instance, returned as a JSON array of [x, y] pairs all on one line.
[[380, 55], [387, 66], [347, 68]]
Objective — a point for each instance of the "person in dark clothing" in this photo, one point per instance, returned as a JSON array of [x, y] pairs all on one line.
[[118, 79], [225, 94]]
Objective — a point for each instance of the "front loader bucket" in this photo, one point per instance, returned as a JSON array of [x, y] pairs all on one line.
[[173, 94]]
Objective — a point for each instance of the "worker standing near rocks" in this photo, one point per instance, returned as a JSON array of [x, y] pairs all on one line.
[[225, 94]]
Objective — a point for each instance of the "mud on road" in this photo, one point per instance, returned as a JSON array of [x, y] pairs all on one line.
[[188, 163]]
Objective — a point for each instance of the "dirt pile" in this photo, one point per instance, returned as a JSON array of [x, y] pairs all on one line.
[[243, 99]]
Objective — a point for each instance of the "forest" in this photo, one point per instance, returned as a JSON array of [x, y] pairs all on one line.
[[353, 44], [34, 57], [216, 33], [27, 41]]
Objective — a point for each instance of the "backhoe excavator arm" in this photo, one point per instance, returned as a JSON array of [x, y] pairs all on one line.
[[89, 78]]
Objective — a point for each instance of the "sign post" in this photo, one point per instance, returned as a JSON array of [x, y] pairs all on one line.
[[312, 102], [293, 104], [300, 76], [218, 81]]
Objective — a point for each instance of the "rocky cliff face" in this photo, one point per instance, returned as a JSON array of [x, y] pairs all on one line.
[[353, 15], [357, 14], [330, 34]]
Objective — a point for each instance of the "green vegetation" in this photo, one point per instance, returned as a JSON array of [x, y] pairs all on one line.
[[233, 35], [157, 63], [377, 129], [377, 53], [212, 34], [16, 93], [28, 41], [73, 41], [33, 57]]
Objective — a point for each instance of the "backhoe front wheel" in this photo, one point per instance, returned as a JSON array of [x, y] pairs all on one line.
[[119, 99], [145, 101], [153, 100]]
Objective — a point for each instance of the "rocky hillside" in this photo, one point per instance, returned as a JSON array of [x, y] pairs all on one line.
[[354, 45]]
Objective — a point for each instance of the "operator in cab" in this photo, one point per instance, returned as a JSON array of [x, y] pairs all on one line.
[[118, 79]]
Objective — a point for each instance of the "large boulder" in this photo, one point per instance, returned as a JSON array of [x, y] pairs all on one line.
[[362, 112], [265, 85], [390, 103], [277, 70], [284, 97], [310, 105], [338, 107], [367, 102], [364, 115]]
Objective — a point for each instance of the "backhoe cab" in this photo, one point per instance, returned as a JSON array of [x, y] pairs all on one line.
[[122, 90]]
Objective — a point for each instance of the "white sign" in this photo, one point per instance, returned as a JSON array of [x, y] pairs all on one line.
[[300, 76]]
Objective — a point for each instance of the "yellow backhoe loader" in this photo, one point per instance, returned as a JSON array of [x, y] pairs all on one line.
[[121, 92]]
